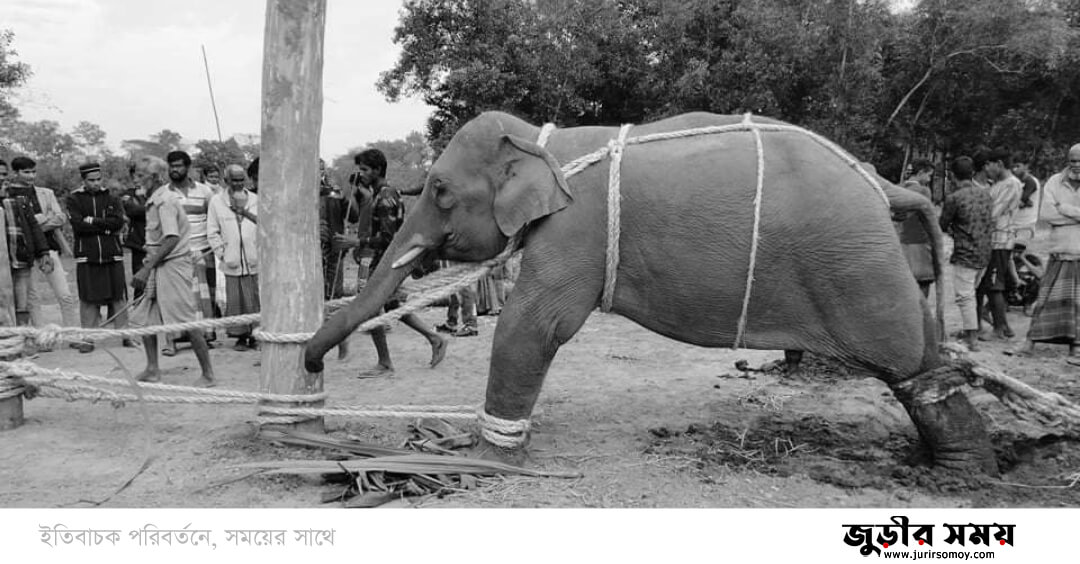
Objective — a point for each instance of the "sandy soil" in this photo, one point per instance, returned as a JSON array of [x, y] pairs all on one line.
[[648, 422]]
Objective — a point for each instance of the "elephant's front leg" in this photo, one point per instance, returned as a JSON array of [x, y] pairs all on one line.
[[531, 328]]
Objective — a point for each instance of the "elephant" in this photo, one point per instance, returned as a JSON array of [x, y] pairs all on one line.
[[829, 276]]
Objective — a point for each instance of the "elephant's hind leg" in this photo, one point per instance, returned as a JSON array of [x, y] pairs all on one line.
[[946, 421]]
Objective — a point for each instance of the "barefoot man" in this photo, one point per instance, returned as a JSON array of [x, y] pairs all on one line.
[[387, 215], [166, 276]]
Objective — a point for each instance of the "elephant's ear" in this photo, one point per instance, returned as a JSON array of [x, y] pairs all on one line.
[[532, 185]]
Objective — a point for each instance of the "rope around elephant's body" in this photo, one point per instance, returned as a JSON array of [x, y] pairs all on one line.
[[615, 148], [740, 330]]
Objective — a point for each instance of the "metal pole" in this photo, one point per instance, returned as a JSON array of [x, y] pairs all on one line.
[[213, 104]]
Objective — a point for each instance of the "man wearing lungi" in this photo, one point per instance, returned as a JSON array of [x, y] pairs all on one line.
[[166, 277], [196, 203], [233, 233], [96, 218], [1056, 315]]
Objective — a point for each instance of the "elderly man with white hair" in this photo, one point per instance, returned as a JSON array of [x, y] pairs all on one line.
[[1056, 312], [232, 231]]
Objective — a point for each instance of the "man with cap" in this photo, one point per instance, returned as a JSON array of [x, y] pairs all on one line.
[[97, 217]]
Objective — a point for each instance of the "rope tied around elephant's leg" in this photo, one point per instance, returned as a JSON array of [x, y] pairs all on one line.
[[611, 266], [503, 433], [932, 386]]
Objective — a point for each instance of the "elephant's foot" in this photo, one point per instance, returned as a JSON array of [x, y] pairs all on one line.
[[485, 450], [947, 423], [792, 360]]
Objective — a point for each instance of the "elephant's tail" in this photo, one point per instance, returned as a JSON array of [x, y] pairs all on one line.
[[928, 219]]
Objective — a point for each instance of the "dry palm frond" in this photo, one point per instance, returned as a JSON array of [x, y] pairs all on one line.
[[386, 476], [405, 464], [301, 438]]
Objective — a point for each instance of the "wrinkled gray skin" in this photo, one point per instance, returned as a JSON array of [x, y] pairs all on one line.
[[830, 276]]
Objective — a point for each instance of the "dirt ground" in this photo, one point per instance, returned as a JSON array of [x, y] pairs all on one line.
[[646, 421]]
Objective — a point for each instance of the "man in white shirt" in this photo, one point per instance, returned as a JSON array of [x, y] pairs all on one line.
[[1055, 319]]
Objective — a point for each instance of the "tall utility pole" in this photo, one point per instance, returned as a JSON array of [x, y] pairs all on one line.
[[213, 104]]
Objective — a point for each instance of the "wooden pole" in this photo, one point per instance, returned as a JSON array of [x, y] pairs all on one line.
[[213, 104], [290, 277], [11, 409]]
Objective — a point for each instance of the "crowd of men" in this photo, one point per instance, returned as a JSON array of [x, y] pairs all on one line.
[[991, 213], [193, 247]]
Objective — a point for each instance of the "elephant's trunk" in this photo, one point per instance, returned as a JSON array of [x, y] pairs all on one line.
[[369, 302]]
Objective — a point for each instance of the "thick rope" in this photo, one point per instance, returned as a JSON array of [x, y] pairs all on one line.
[[33, 374], [545, 134], [503, 433], [441, 285], [611, 267], [69, 386], [740, 331], [583, 162]]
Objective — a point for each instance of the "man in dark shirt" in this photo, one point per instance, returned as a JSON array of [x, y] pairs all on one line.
[[134, 202], [96, 220], [387, 216], [966, 217]]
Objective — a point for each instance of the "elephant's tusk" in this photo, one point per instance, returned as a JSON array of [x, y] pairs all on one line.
[[408, 257]]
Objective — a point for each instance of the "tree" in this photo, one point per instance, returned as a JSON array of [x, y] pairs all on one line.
[[991, 72], [89, 137], [158, 145], [407, 161], [219, 153], [13, 74], [44, 139], [575, 63], [934, 80]]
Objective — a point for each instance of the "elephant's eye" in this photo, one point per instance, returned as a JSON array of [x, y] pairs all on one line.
[[444, 198]]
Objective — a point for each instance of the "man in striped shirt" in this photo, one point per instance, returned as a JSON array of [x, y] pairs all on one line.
[[196, 203], [997, 279]]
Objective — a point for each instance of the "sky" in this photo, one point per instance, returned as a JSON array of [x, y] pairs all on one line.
[[135, 67]]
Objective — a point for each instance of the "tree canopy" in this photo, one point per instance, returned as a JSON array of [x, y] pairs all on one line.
[[942, 77]]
